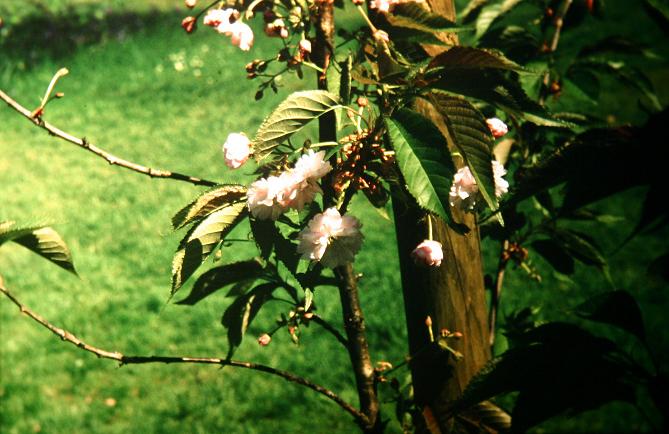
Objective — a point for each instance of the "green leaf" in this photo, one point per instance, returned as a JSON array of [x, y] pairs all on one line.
[[580, 247], [290, 116], [557, 368], [490, 14], [423, 159], [460, 57], [499, 88], [239, 315], [617, 308], [201, 240], [44, 241], [208, 202], [222, 276], [414, 15], [472, 137], [555, 254], [308, 298]]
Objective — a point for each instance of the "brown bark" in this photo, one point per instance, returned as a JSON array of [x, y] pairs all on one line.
[[452, 295]]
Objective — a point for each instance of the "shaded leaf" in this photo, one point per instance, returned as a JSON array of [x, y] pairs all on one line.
[[580, 370], [490, 14], [44, 241], [201, 240], [460, 57], [423, 159], [290, 116], [617, 308], [555, 254], [220, 277], [472, 137], [239, 315], [208, 202], [414, 15]]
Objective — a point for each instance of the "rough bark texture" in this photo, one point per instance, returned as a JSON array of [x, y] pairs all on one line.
[[452, 295]]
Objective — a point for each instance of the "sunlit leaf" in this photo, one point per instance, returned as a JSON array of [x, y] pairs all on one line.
[[290, 116], [201, 241], [414, 15], [42, 240], [460, 57], [208, 202], [423, 159]]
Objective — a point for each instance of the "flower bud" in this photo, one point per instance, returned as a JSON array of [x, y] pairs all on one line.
[[457, 335], [497, 127], [305, 48], [264, 340], [190, 4], [428, 253], [381, 36], [362, 101], [189, 24]]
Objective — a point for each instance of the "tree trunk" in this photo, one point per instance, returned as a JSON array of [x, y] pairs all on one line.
[[452, 295]]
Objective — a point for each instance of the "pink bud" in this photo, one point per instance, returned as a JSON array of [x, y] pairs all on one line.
[[190, 4], [304, 47], [189, 24], [381, 36], [264, 340], [497, 127], [428, 253], [237, 149]]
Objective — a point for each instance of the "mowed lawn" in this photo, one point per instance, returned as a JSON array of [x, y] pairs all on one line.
[[158, 97]]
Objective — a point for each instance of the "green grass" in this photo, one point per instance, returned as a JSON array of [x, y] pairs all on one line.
[[129, 95]]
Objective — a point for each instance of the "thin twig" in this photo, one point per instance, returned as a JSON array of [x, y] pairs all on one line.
[[127, 360], [555, 40], [497, 291], [330, 328], [110, 158]]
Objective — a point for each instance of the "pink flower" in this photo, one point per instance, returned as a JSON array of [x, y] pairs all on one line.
[[261, 198], [501, 184], [383, 5], [465, 193], [428, 253], [497, 127], [330, 238], [264, 340], [216, 17], [241, 35], [312, 165], [237, 150]]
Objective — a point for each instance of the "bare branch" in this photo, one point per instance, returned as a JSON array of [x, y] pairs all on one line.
[[330, 328], [110, 158], [65, 335]]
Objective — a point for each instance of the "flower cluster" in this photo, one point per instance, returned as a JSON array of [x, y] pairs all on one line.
[[464, 191], [330, 238], [497, 127], [226, 21], [270, 197]]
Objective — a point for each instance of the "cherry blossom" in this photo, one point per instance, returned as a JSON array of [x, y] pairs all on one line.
[[428, 253], [236, 149], [330, 238]]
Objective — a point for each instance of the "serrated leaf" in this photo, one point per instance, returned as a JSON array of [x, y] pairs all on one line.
[[414, 15], [239, 315], [423, 159], [222, 276], [580, 247], [207, 203], [490, 14], [201, 240], [617, 308], [290, 116], [42, 240], [459, 57], [472, 137]]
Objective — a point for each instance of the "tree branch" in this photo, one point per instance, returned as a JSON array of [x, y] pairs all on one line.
[[497, 291], [127, 360], [330, 328], [110, 158]]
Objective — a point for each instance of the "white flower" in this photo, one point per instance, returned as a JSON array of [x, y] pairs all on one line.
[[497, 127], [261, 198], [383, 5], [190, 4], [216, 17], [428, 253], [330, 238], [241, 35], [236, 149], [312, 165], [501, 184], [464, 192], [464, 189]]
